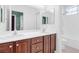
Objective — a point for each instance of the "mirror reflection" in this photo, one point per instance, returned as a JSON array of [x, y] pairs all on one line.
[[17, 20], [25, 17], [1, 12]]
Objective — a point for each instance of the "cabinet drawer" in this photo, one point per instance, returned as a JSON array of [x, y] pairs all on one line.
[[37, 47], [37, 39]]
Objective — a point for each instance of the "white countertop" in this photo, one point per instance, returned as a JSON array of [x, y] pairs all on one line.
[[24, 35]]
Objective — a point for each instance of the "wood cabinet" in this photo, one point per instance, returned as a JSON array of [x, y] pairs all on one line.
[[53, 43], [22, 46], [42, 44], [37, 40], [47, 44], [6, 47], [37, 45]]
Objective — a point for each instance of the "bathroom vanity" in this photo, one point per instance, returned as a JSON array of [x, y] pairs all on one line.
[[45, 43], [25, 18]]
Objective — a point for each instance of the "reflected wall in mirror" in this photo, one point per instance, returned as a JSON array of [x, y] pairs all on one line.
[[2, 18], [1, 13]]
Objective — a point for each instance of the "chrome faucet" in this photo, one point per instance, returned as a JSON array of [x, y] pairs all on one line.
[[15, 32], [44, 28]]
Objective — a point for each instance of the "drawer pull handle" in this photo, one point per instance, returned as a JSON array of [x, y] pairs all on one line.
[[17, 44], [10, 46]]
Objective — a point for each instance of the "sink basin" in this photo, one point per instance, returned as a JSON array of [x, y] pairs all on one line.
[[1, 37], [11, 36], [22, 35]]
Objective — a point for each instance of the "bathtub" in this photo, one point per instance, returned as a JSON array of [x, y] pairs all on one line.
[[71, 40]]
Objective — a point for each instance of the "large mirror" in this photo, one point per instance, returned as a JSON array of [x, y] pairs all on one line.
[[24, 17]]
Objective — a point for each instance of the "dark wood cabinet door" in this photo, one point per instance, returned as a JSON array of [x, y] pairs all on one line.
[[47, 44], [6, 48], [23, 46], [53, 43]]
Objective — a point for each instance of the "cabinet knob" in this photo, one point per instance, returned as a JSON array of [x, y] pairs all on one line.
[[17, 44], [37, 40], [10, 46], [37, 47]]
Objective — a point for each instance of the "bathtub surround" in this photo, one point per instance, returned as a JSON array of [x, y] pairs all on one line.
[[70, 31]]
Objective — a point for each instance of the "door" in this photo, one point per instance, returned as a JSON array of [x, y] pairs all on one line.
[[13, 23], [53, 42], [47, 44], [6, 48], [23, 46]]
